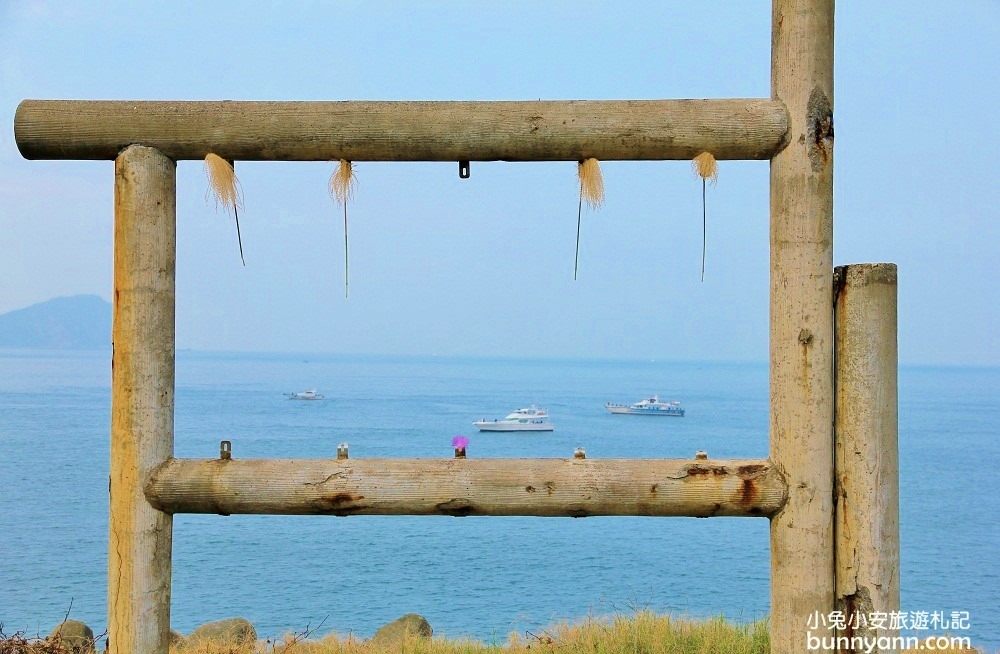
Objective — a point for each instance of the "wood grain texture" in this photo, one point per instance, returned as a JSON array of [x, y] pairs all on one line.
[[801, 329], [460, 487], [142, 400], [867, 448], [404, 131]]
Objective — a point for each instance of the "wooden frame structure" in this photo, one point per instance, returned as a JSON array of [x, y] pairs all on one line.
[[829, 487]]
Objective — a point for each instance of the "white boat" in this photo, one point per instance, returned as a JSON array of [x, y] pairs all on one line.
[[306, 395], [651, 406], [530, 419]]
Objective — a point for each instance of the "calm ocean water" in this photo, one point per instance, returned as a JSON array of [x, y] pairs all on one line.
[[480, 577]]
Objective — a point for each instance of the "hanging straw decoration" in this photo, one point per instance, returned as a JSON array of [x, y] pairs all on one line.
[[591, 191], [225, 188], [706, 167], [342, 183]]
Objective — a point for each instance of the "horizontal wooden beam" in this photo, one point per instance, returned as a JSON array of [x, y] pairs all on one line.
[[460, 487], [404, 131]]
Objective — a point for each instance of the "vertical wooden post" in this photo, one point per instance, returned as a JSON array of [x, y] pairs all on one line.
[[867, 449], [142, 399], [801, 339]]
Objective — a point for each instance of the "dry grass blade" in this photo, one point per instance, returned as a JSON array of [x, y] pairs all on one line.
[[225, 188], [222, 182], [591, 182], [342, 183], [706, 167], [591, 191]]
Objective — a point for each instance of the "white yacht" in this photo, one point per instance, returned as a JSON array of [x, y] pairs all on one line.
[[306, 395], [651, 406], [530, 419]]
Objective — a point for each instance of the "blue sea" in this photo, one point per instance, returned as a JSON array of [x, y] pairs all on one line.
[[476, 577]]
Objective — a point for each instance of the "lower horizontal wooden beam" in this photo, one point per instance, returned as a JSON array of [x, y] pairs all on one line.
[[570, 130], [461, 487]]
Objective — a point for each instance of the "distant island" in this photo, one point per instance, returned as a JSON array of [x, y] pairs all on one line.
[[79, 322]]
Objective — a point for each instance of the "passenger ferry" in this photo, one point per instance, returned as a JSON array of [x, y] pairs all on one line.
[[651, 406]]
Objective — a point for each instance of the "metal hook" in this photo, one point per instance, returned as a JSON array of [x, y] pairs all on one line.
[[225, 450], [464, 169]]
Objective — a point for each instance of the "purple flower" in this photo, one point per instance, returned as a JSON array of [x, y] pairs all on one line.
[[459, 442]]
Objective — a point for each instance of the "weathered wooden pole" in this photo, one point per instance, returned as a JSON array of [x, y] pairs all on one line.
[[561, 130], [867, 449], [142, 399], [576, 487], [801, 339]]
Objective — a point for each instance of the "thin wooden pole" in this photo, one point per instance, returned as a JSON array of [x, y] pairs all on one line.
[[576, 487], [867, 448], [142, 399], [801, 339]]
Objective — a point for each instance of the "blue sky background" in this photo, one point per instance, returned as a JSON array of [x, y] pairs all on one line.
[[485, 266]]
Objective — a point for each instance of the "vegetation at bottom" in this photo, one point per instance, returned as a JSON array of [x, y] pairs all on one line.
[[641, 633]]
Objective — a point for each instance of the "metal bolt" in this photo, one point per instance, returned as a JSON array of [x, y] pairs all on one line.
[[701, 454], [579, 453], [342, 451]]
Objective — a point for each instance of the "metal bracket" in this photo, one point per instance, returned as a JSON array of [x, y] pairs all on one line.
[[225, 450], [464, 170]]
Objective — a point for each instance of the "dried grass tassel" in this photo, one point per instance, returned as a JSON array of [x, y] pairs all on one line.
[[342, 183], [591, 190], [225, 188], [706, 167]]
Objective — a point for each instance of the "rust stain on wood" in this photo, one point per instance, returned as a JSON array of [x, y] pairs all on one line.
[[747, 493], [340, 504], [342, 498], [716, 507], [457, 507], [696, 470], [819, 123]]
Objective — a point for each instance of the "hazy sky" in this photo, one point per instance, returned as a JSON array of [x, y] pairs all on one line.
[[485, 266]]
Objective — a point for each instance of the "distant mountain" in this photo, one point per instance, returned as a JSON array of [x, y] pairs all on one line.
[[80, 322]]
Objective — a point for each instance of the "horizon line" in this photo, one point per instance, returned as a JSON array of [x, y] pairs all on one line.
[[12, 351]]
